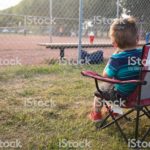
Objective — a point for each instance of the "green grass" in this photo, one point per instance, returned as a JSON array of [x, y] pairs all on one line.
[[69, 98]]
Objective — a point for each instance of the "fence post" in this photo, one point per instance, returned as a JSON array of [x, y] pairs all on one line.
[[118, 8], [80, 30], [25, 25], [51, 17]]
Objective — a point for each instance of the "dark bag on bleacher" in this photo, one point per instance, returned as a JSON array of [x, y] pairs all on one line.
[[92, 58]]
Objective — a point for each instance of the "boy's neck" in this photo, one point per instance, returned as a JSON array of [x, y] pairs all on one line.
[[126, 49]]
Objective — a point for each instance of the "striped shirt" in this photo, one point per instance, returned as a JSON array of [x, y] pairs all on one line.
[[124, 66]]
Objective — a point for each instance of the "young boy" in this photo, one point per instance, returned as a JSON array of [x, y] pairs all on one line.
[[124, 36]]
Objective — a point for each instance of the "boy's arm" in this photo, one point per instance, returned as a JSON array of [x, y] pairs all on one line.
[[104, 74], [106, 70], [110, 69]]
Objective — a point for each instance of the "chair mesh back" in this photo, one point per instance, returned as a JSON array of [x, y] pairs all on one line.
[[145, 91]]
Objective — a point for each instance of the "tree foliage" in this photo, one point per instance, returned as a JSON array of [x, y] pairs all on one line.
[[67, 11], [64, 8]]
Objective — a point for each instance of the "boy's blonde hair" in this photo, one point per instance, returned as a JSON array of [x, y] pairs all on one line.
[[124, 32]]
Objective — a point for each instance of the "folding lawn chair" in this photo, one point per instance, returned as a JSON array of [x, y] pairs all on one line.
[[138, 101]]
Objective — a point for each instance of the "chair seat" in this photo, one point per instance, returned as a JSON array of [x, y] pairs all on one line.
[[131, 103], [131, 100]]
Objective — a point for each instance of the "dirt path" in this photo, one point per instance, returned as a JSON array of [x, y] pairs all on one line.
[[25, 48]]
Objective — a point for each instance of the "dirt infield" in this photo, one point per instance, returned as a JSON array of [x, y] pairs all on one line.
[[26, 49]]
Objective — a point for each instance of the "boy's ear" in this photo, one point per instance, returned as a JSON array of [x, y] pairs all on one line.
[[115, 44]]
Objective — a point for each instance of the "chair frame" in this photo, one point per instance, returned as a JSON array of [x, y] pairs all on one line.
[[138, 108]]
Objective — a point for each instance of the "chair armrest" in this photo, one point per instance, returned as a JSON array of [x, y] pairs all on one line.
[[96, 76]]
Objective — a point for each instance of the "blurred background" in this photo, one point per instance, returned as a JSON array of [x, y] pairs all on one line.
[[25, 23]]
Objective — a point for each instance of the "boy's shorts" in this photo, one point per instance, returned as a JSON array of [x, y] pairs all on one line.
[[109, 93]]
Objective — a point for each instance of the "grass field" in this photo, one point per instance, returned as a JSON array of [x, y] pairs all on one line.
[[66, 99]]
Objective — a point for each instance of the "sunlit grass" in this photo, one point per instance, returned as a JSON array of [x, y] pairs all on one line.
[[44, 127]]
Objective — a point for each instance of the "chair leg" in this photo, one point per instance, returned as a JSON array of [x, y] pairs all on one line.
[[103, 122], [116, 122], [147, 110], [120, 129], [146, 113], [139, 116], [145, 135], [137, 125], [112, 122], [127, 118]]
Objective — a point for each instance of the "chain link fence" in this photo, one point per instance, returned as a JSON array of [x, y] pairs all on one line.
[[31, 22]]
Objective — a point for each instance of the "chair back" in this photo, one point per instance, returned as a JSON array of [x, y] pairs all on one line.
[[143, 90]]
